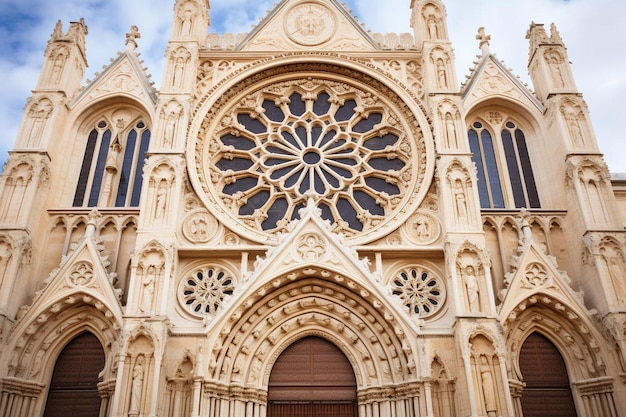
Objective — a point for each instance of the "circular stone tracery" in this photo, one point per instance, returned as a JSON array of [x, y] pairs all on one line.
[[421, 291], [358, 153], [203, 292]]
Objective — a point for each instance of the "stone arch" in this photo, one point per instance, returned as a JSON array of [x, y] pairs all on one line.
[[581, 347], [309, 303], [40, 336]]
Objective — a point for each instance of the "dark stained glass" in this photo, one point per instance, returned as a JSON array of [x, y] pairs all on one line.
[[99, 172], [514, 174], [477, 158], [529, 178], [127, 166], [141, 158], [83, 178]]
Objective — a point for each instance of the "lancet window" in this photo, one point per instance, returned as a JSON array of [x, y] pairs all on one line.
[[111, 171], [504, 169]]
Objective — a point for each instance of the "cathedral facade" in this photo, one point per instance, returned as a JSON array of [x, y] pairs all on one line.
[[310, 219]]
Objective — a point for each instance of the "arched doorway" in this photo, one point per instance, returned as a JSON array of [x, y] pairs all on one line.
[[312, 378], [547, 392], [74, 386]]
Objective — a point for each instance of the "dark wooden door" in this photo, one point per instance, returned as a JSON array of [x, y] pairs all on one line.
[[312, 378], [547, 392], [73, 389]]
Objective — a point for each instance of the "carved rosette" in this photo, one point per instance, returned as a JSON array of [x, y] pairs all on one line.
[[358, 152], [311, 247], [421, 291], [535, 276], [202, 292]]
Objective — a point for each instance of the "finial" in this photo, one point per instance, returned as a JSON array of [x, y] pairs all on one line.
[[484, 40], [131, 37], [92, 223]]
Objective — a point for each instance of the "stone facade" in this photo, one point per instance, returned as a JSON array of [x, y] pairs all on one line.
[[311, 179]]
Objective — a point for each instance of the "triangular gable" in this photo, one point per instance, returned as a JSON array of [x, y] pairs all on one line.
[[311, 241], [538, 279], [82, 273], [303, 24], [492, 79], [126, 76]]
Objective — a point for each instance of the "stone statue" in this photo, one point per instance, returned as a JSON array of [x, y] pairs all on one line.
[[136, 386], [488, 387], [473, 294]]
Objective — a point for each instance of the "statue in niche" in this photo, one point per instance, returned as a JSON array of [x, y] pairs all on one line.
[[572, 120], [422, 231], [615, 266], [451, 140], [136, 386], [186, 22], [442, 78], [473, 292], [488, 387], [177, 77], [172, 114], [147, 292], [161, 201], [459, 199], [433, 27]]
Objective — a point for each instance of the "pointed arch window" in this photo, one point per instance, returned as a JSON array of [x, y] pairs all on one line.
[[504, 170], [112, 169]]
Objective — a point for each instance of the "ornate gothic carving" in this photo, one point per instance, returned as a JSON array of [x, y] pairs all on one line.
[[203, 291]]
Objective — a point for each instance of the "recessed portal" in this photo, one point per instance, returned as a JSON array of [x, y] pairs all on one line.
[[312, 378]]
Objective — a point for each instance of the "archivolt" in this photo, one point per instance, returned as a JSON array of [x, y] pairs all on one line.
[[378, 349], [40, 338]]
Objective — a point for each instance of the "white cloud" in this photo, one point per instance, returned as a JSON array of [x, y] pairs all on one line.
[[592, 29]]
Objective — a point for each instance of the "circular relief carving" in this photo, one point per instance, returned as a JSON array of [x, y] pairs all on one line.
[[421, 291], [199, 227], [310, 24], [422, 229], [203, 292], [360, 156]]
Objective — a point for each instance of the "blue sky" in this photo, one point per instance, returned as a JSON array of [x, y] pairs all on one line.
[[593, 31]]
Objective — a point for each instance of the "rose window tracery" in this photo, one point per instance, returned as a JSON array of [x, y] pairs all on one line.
[[303, 139], [421, 291], [339, 139], [203, 291]]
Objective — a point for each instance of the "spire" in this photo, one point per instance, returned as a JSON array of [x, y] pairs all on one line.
[[484, 41]]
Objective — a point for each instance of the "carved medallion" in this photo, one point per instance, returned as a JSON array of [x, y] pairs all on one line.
[[199, 227], [310, 24]]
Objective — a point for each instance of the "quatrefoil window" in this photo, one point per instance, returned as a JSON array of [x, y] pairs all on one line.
[[421, 291], [311, 139]]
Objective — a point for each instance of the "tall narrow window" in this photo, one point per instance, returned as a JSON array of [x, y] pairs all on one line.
[[505, 175], [111, 171]]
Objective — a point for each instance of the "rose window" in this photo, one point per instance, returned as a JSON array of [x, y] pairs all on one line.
[[357, 153], [204, 291], [421, 291]]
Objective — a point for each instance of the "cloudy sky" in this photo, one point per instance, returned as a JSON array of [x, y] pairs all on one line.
[[593, 30]]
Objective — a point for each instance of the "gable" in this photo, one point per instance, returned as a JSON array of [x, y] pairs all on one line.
[[125, 76], [492, 79], [308, 24]]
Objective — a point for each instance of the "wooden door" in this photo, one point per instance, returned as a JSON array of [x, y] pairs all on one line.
[[547, 392], [312, 378], [74, 386]]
